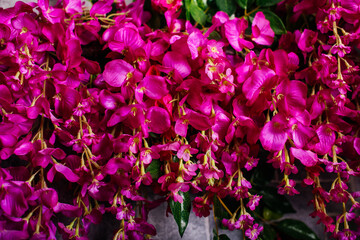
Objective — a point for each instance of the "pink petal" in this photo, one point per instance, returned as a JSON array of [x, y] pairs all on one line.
[[307, 158], [262, 32], [327, 139], [273, 136], [181, 126], [178, 62], [155, 87], [357, 145], [49, 197], [235, 33], [68, 174], [7, 140], [68, 210], [120, 115], [159, 120], [101, 7], [129, 36], [259, 81], [116, 72], [197, 120], [24, 148]]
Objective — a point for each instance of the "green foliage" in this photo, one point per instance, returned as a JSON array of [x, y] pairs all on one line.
[[267, 3], [228, 6], [154, 168], [295, 229], [268, 233], [275, 202], [268, 214], [181, 211], [197, 13], [242, 3]]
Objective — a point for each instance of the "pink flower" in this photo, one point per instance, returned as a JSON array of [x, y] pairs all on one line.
[[154, 87], [117, 72], [260, 82], [244, 221], [200, 207], [178, 62], [306, 40], [158, 120], [229, 223], [254, 232], [274, 134], [253, 201], [307, 158], [215, 49], [261, 31], [185, 152], [235, 34]]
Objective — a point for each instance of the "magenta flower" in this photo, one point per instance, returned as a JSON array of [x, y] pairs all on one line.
[[306, 40], [229, 223], [158, 120], [235, 34], [260, 82], [117, 72], [185, 152], [274, 134], [200, 207], [178, 62], [215, 49], [244, 221], [261, 31], [307, 158], [253, 201], [154, 87], [254, 232]]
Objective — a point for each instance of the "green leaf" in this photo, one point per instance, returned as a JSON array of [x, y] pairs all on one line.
[[220, 237], [214, 35], [201, 4], [276, 23], [276, 202], [187, 8], [219, 210], [181, 211], [268, 233], [242, 3], [267, 3], [227, 6], [154, 168], [296, 230], [197, 13], [271, 215]]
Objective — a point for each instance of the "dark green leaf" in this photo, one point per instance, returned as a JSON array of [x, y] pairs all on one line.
[[187, 9], [197, 13], [223, 237], [154, 168], [275, 202], [201, 4], [296, 230], [242, 3], [220, 237], [214, 35], [271, 215], [276, 23], [268, 233], [181, 211], [267, 3], [219, 210], [227, 6]]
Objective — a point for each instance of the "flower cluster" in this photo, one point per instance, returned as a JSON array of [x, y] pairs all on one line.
[[92, 99]]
